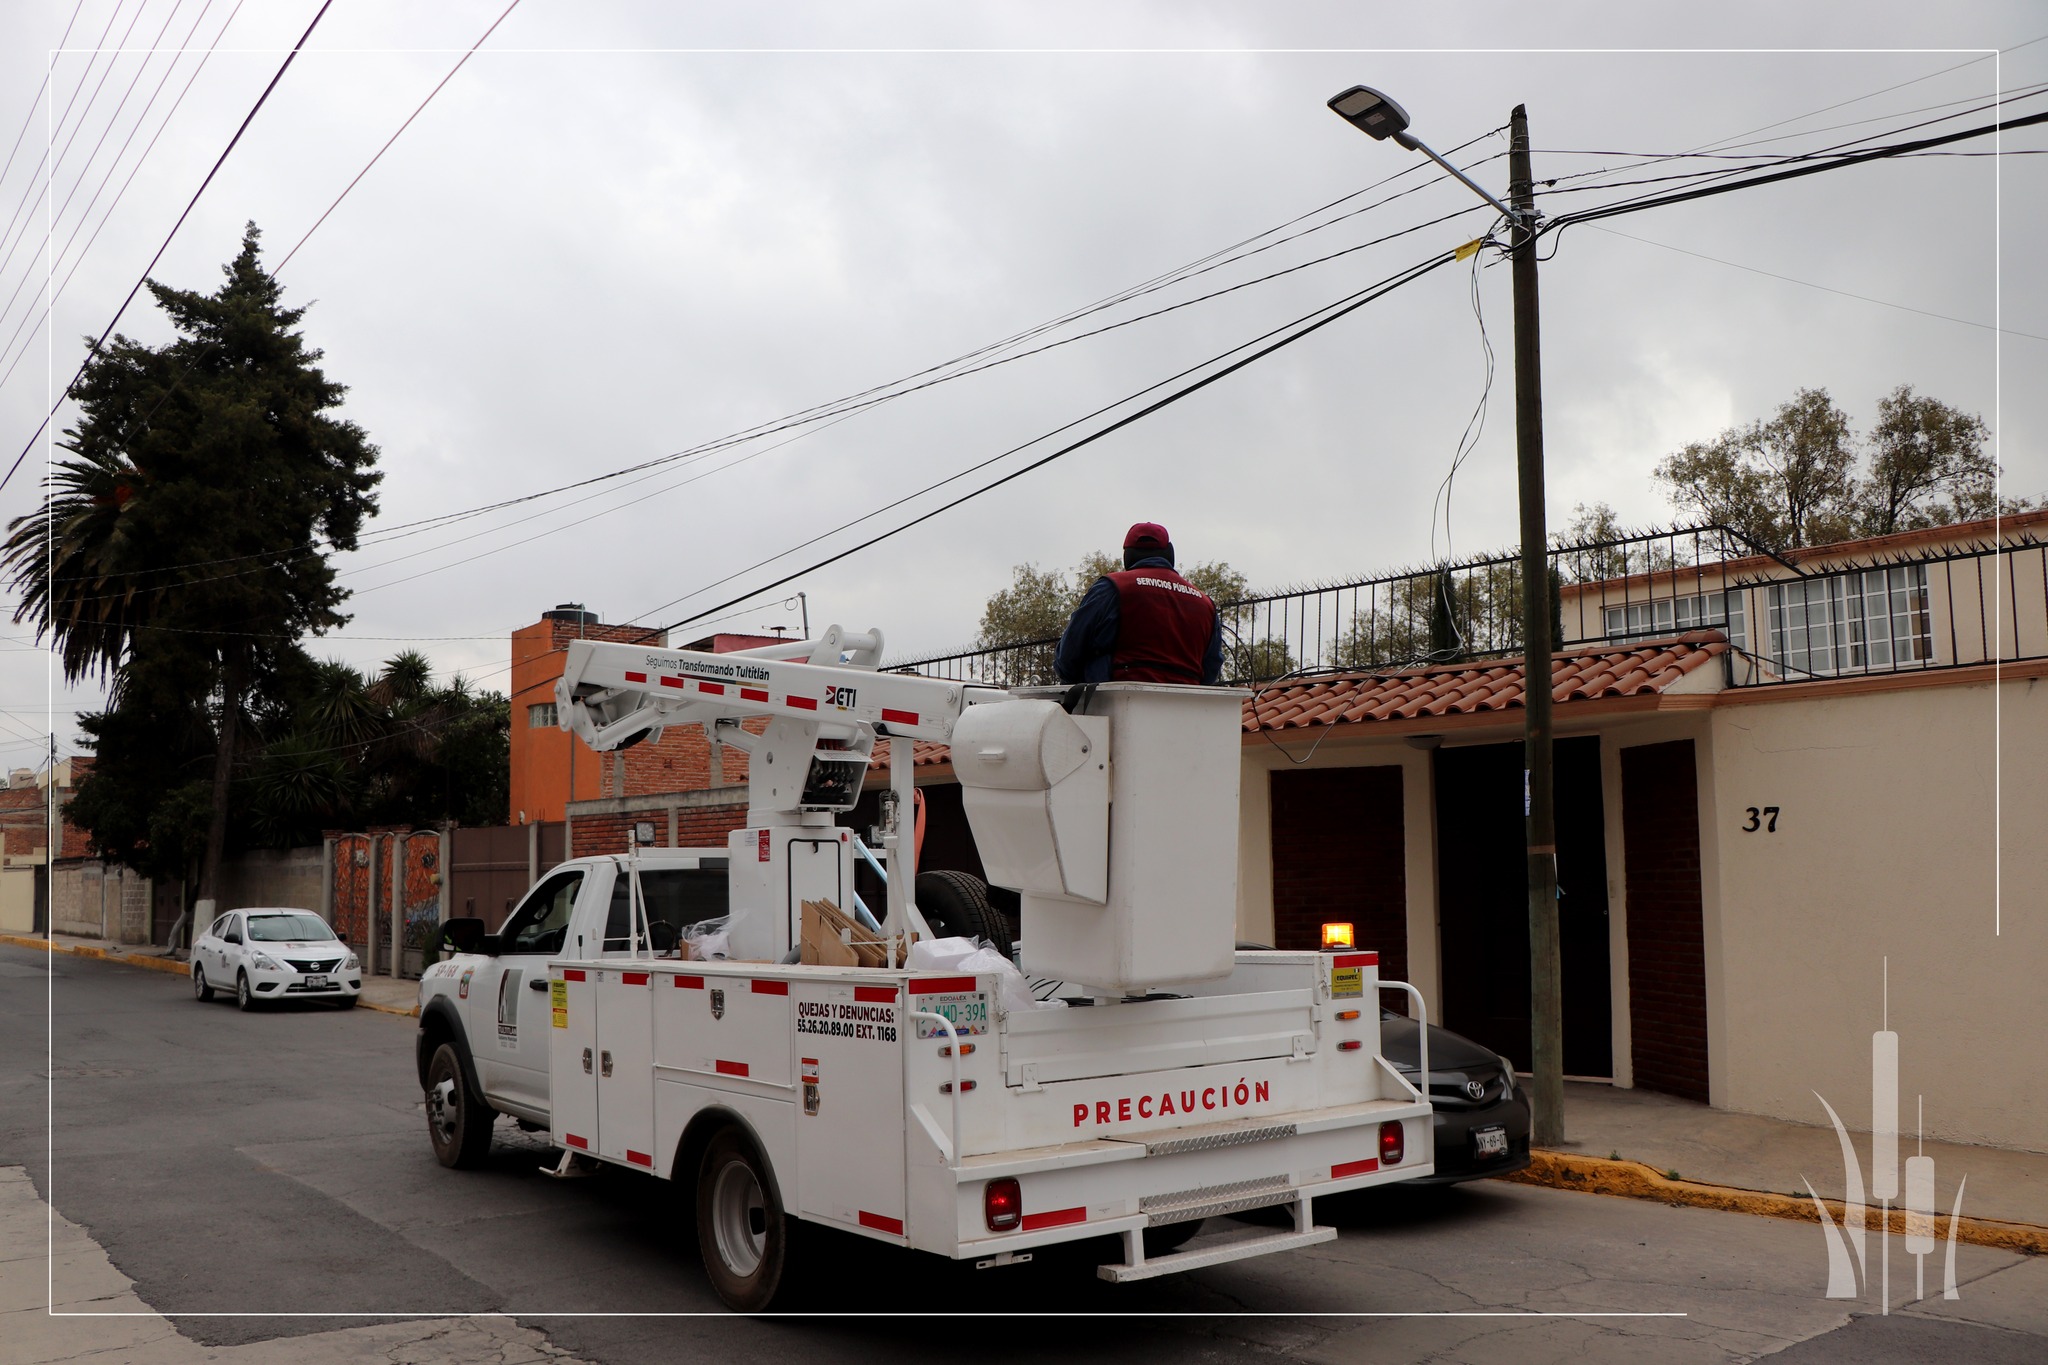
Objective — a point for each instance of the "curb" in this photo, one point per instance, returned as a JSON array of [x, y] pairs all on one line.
[[1633, 1180], [165, 964]]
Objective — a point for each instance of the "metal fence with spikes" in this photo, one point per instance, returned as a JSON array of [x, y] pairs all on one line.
[[1823, 612]]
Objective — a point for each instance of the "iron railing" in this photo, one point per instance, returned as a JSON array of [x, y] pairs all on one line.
[[1789, 618]]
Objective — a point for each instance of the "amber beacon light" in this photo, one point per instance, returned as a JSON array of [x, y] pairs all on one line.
[[1337, 935]]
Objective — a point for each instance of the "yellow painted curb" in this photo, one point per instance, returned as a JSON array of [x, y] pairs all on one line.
[[1633, 1180], [155, 964], [163, 964]]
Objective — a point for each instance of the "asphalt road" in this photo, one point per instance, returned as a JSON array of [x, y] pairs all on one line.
[[277, 1163]]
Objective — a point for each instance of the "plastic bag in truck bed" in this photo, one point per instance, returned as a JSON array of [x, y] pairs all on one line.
[[974, 956]]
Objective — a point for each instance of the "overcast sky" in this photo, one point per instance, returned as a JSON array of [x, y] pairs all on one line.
[[625, 230]]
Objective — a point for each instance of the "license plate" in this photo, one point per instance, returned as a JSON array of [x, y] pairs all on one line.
[[967, 1013], [318, 983], [1489, 1142]]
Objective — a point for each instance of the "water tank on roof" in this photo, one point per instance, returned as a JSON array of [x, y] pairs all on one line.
[[571, 612]]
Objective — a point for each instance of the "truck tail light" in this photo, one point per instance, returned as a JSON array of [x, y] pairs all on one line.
[[1393, 1145], [1002, 1205]]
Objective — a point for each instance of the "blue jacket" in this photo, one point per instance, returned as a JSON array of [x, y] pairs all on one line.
[[1090, 640]]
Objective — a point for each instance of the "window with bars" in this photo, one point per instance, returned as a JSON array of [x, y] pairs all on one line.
[[1855, 622], [540, 716], [1673, 615]]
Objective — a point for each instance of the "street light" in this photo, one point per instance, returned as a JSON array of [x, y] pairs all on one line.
[[1377, 116], [1380, 118]]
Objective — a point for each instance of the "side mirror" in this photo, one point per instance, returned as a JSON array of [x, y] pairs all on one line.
[[464, 936]]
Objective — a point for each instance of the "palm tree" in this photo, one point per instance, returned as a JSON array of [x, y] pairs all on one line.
[[73, 562]]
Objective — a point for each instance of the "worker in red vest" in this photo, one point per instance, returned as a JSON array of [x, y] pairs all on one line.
[[1145, 624]]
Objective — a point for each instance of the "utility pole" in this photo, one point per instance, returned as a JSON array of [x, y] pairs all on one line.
[[1546, 1024]]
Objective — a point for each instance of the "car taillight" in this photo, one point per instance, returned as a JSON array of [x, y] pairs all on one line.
[[1002, 1205], [1393, 1146]]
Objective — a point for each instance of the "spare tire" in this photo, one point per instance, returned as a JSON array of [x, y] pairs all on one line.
[[956, 904]]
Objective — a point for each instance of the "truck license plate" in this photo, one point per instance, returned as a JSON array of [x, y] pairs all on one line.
[[318, 983], [967, 1013], [1489, 1142]]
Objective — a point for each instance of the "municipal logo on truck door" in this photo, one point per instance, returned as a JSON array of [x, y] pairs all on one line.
[[508, 1010]]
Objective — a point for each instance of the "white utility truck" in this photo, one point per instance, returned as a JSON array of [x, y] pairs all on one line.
[[1159, 1078]]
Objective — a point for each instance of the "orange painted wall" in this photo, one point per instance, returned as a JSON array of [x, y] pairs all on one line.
[[543, 757]]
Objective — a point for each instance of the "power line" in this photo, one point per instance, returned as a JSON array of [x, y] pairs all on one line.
[[1826, 289], [1850, 159], [1303, 327], [839, 409], [141, 118], [36, 100], [94, 350]]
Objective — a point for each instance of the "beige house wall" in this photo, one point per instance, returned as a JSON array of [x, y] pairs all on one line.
[[18, 893], [1888, 847]]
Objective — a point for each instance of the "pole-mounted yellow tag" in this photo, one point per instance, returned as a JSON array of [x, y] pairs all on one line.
[[1469, 250]]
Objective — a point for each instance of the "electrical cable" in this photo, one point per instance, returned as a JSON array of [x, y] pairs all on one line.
[[115, 320], [36, 100], [7, 237], [1826, 289], [853, 402], [723, 443], [113, 165], [1468, 441], [1636, 205], [1303, 328]]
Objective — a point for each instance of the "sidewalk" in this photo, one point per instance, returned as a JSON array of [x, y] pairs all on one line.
[[1689, 1148], [380, 993]]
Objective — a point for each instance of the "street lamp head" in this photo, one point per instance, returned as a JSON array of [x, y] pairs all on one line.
[[1373, 113]]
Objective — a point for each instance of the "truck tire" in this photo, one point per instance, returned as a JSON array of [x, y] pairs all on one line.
[[458, 1119], [956, 904], [742, 1231]]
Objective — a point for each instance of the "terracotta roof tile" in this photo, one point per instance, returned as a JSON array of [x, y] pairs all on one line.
[[1473, 689], [924, 753]]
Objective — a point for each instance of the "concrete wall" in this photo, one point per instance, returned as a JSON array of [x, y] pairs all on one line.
[[18, 892], [1893, 835], [268, 876], [99, 900]]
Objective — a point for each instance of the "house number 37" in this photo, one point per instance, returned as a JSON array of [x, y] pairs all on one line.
[[1762, 818]]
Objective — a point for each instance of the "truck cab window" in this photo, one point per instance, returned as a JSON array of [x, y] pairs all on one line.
[[677, 897], [541, 923]]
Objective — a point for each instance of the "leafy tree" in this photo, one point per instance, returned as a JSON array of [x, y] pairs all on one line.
[[186, 532], [1034, 609], [1802, 478], [1783, 482], [1920, 451]]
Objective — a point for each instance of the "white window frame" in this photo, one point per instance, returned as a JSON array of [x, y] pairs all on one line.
[[1675, 615], [541, 715], [1864, 621]]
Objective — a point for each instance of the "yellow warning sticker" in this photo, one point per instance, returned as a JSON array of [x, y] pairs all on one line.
[[1347, 981], [558, 996]]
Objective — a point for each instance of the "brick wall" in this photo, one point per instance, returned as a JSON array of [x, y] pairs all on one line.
[[597, 833], [679, 762], [1667, 975], [1340, 853]]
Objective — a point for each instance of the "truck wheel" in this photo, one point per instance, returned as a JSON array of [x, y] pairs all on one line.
[[741, 1228], [458, 1120], [200, 990], [956, 904], [1171, 1237]]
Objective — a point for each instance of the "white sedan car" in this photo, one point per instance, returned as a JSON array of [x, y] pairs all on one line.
[[265, 955]]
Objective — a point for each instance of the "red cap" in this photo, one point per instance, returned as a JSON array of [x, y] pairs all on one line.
[[1146, 533]]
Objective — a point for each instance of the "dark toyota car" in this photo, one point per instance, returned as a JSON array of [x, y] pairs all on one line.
[[1482, 1116]]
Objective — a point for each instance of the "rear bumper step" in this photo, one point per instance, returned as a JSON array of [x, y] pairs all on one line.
[[1237, 1249]]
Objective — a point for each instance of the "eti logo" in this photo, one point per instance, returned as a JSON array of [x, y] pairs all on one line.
[[841, 697], [1848, 1274]]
